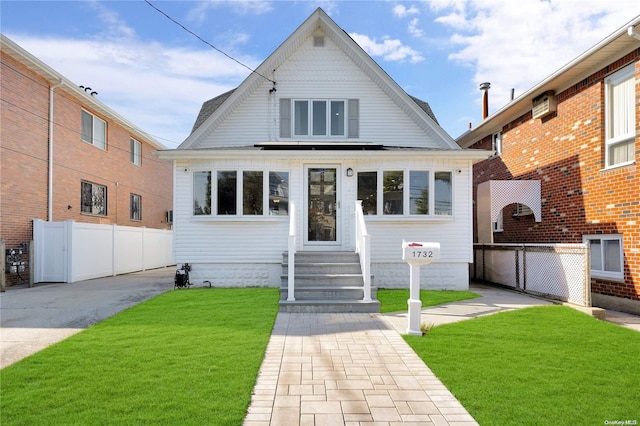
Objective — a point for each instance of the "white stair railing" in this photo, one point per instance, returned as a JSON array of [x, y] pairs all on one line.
[[363, 248], [291, 250]]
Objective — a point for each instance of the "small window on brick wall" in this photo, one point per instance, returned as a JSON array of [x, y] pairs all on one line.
[[606, 256], [93, 199], [136, 207]]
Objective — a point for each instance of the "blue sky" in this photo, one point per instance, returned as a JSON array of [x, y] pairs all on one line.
[[157, 75]]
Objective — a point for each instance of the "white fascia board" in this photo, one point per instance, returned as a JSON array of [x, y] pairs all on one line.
[[213, 154]]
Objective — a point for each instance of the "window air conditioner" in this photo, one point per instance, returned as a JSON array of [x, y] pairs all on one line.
[[544, 104]]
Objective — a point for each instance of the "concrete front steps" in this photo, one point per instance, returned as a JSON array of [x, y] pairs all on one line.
[[326, 282]]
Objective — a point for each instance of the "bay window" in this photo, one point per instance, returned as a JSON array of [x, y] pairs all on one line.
[[240, 193], [429, 193]]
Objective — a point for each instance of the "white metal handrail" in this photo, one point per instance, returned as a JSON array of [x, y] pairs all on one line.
[[291, 250], [363, 248]]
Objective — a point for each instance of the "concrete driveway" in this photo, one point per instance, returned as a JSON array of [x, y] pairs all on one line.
[[34, 318]]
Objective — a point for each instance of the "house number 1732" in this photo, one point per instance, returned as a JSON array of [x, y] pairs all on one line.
[[422, 253]]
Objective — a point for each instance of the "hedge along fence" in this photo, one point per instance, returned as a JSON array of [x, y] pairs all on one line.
[[70, 251]]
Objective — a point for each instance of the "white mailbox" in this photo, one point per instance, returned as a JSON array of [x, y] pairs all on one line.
[[420, 253], [416, 254]]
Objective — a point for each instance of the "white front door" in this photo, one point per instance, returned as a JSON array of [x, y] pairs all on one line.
[[322, 215]]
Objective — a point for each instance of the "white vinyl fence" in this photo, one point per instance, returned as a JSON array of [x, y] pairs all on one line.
[[558, 271], [70, 251]]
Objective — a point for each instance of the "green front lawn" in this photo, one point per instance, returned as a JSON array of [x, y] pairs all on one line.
[[185, 357], [537, 366], [394, 300]]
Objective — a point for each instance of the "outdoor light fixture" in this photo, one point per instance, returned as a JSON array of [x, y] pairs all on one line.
[[349, 172]]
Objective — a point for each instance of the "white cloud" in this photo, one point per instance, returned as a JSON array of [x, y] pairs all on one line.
[[401, 11], [518, 44], [414, 28], [160, 89], [198, 13], [388, 49]]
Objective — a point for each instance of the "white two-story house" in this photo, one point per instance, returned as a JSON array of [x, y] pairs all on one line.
[[290, 155]]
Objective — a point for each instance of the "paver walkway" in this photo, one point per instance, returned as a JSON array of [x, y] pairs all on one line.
[[351, 369]]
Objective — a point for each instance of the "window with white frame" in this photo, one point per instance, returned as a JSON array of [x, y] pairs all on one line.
[[93, 198], [368, 192], [319, 118], [94, 130], [278, 193], [607, 256], [496, 144], [135, 207], [241, 193], [315, 118], [620, 117], [385, 193], [135, 152], [201, 193]]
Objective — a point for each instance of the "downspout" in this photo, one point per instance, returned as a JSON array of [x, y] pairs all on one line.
[[50, 183]]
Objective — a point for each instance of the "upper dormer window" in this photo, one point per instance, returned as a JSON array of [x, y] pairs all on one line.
[[316, 118], [319, 118]]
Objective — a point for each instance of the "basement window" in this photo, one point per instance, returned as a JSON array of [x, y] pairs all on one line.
[[606, 256]]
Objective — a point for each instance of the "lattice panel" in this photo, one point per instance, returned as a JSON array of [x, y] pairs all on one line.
[[559, 271], [505, 192]]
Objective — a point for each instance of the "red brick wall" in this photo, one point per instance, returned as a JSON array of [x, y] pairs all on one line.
[[566, 153], [24, 162]]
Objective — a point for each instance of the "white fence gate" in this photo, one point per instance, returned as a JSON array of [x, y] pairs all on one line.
[[70, 251], [558, 271]]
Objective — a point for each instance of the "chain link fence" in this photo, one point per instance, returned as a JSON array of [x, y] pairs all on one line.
[[557, 271]]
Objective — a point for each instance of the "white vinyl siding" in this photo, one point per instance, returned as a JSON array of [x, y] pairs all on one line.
[[372, 116], [225, 239], [620, 117]]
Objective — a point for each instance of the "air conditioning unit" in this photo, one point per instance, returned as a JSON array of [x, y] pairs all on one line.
[[544, 104], [170, 216]]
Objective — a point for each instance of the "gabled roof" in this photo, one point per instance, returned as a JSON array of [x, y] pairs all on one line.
[[210, 106], [602, 54], [54, 78], [217, 109]]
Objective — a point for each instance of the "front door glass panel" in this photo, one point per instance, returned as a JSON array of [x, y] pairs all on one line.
[[321, 212]]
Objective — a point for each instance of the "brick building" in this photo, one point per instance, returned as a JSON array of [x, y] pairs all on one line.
[[577, 133], [67, 156]]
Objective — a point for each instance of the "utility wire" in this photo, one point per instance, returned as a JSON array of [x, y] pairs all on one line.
[[207, 43]]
